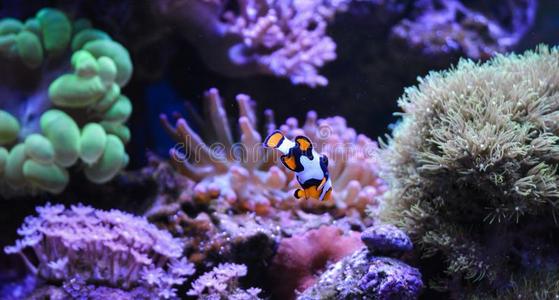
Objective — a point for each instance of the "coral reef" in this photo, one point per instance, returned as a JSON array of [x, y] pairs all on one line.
[[300, 258], [289, 39], [468, 29], [468, 192], [221, 283], [238, 202], [281, 38], [472, 169], [249, 178], [364, 275], [69, 112], [85, 249]]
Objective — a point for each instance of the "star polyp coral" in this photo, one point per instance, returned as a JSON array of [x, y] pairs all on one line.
[[81, 117], [473, 172]]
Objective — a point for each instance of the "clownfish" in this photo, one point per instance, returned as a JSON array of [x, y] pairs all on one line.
[[311, 168]]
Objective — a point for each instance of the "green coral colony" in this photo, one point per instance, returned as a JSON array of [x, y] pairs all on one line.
[[101, 67], [473, 168]]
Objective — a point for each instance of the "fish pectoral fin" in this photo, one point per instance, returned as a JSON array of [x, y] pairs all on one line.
[[304, 143], [299, 193], [274, 139], [289, 162], [322, 183]]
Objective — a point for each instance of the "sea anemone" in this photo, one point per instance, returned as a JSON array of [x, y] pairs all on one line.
[[250, 178]]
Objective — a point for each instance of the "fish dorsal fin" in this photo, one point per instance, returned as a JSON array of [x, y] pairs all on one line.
[[324, 163], [290, 162], [304, 144], [274, 139]]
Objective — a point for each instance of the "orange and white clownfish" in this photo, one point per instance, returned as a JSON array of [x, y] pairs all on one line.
[[311, 168]]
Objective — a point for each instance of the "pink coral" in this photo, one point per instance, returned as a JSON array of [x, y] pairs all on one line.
[[284, 38], [300, 258]]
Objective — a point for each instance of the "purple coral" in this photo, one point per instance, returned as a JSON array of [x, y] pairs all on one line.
[[388, 278], [284, 38], [221, 283], [108, 248], [386, 239], [452, 26]]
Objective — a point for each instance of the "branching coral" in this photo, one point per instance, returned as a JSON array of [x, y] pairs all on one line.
[[249, 178], [51, 121], [459, 27], [105, 248], [473, 169], [241, 37]]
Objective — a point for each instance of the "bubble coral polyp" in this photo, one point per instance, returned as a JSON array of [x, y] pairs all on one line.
[[105, 248], [250, 178], [282, 38], [52, 120]]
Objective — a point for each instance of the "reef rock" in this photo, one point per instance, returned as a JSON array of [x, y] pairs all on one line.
[[386, 239], [365, 276]]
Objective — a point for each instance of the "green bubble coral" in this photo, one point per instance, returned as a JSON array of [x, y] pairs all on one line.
[[9, 128], [55, 28], [64, 135], [92, 142], [39, 148], [61, 118], [29, 48], [472, 169]]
